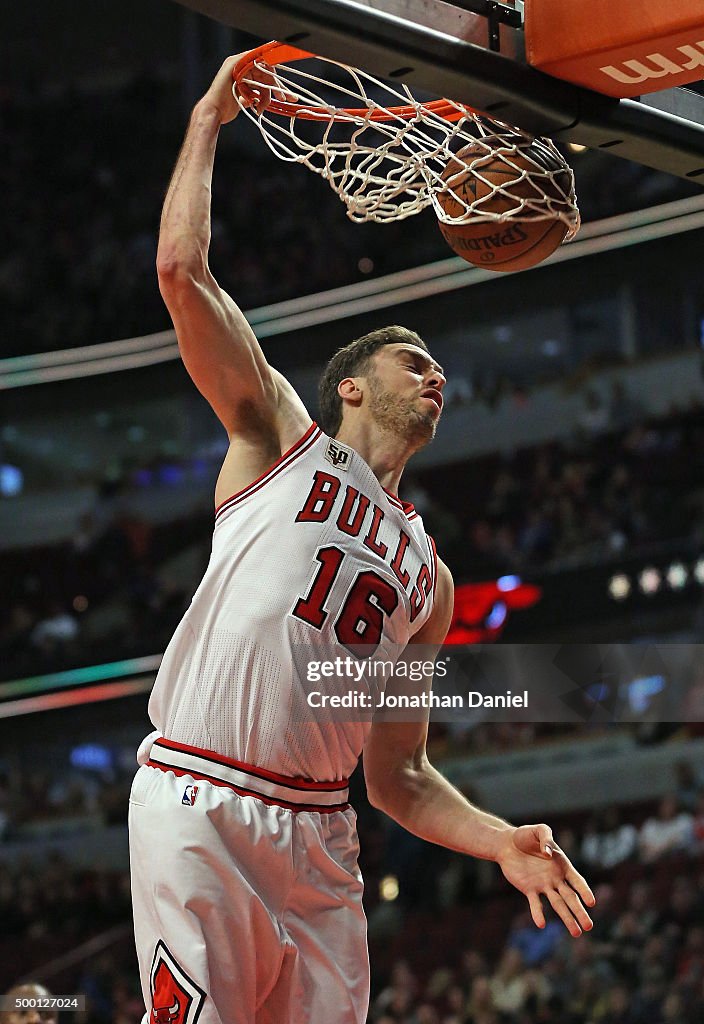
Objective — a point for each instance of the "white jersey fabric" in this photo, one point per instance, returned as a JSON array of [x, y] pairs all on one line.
[[245, 912], [309, 560], [247, 895]]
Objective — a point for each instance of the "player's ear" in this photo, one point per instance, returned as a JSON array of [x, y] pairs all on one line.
[[349, 390]]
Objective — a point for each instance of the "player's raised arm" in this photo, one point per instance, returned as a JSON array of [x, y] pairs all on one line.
[[217, 345], [402, 782]]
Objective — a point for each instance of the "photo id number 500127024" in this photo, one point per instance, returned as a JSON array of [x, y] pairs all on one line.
[[42, 1003]]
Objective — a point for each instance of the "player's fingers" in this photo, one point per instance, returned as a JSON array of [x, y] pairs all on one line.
[[262, 99], [536, 909], [580, 885], [257, 87], [563, 912], [546, 843], [262, 74], [575, 904], [265, 94], [535, 840]]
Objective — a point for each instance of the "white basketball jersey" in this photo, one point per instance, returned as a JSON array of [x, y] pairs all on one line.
[[310, 561]]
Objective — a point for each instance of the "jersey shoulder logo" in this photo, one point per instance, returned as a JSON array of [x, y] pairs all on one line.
[[338, 455], [176, 999]]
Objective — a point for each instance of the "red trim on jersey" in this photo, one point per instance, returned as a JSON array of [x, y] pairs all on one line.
[[406, 506], [311, 435], [241, 791], [435, 561], [293, 782]]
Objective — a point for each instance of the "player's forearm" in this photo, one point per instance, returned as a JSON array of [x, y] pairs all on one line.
[[425, 803], [184, 234]]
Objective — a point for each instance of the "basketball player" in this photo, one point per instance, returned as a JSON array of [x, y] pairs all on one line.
[[247, 895]]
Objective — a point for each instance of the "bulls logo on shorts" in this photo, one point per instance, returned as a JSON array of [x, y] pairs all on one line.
[[176, 999]]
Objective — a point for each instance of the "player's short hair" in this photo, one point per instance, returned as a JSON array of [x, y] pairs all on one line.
[[353, 361]]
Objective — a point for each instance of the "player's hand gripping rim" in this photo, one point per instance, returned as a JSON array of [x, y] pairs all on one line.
[[532, 861], [222, 93], [263, 84]]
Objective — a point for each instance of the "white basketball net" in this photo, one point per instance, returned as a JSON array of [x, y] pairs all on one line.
[[386, 170]]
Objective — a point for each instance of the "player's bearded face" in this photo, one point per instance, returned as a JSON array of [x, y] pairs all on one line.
[[398, 413]]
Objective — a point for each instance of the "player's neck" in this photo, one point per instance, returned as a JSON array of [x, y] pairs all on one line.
[[385, 453]]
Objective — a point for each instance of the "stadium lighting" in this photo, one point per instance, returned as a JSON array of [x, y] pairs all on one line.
[[676, 575], [699, 571], [388, 888], [619, 587], [649, 580], [508, 583], [497, 616]]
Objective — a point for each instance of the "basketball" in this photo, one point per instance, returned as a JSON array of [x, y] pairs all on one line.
[[518, 242]]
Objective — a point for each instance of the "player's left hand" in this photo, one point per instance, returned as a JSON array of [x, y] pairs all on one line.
[[532, 861]]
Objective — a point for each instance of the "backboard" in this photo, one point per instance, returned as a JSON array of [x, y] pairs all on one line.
[[473, 51]]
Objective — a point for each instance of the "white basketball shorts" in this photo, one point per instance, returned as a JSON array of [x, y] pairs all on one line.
[[247, 908]]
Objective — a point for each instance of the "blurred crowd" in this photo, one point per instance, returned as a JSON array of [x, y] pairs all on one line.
[[472, 957], [82, 210], [609, 494], [102, 594], [614, 490], [43, 803], [643, 963], [52, 897]]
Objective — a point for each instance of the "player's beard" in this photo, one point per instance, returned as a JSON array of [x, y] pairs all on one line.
[[398, 415]]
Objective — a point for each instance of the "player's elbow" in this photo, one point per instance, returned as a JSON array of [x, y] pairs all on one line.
[[178, 271], [396, 791], [394, 800], [375, 795]]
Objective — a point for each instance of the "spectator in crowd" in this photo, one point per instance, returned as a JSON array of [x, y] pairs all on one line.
[[688, 786], [693, 706], [624, 408], [56, 634], [402, 988], [534, 945], [512, 983], [590, 847], [608, 840], [595, 417], [481, 1007], [625, 948], [668, 832], [603, 927], [617, 1007], [689, 964], [683, 909], [642, 904], [30, 992], [698, 824]]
